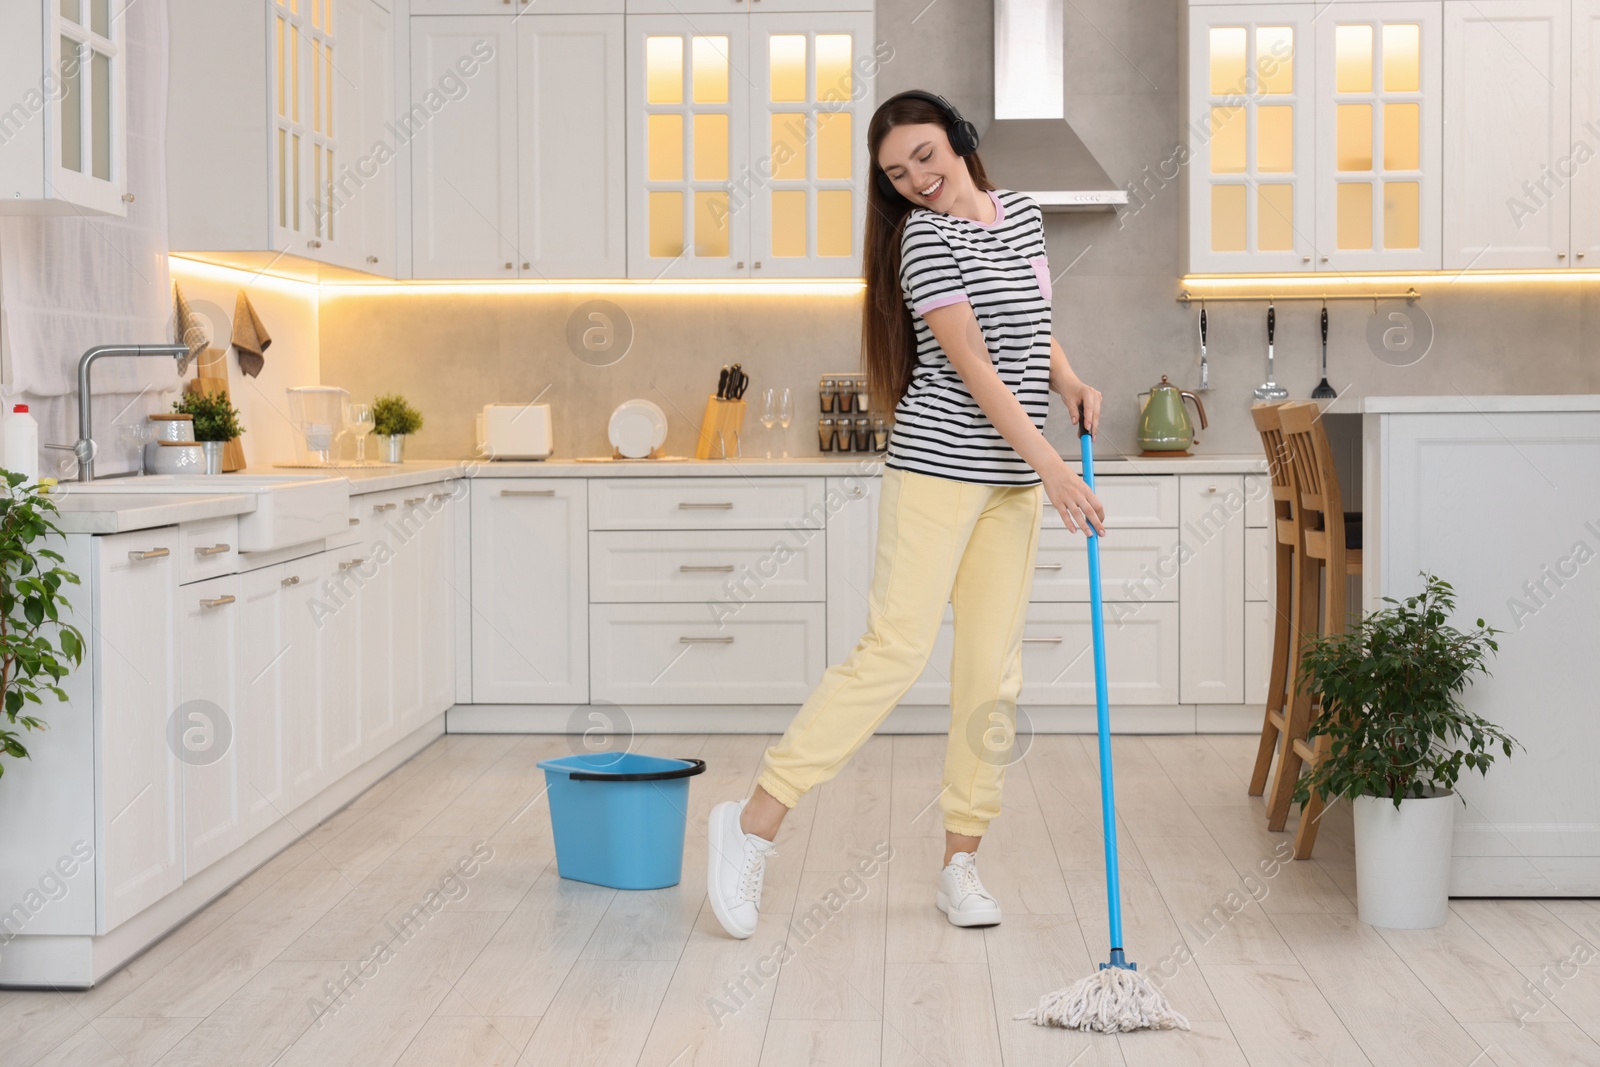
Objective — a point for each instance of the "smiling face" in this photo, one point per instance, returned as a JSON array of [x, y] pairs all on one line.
[[924, 168]]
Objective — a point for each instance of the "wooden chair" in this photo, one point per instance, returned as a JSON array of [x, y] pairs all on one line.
[[1284, 634], [1329, 553]]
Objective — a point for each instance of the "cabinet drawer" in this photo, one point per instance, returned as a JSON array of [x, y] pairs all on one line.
[[679, 654], [1141, 654], [1134, 565], [1130, 502], [207, 549], [1258, 563], [720, 568], [704, 503]]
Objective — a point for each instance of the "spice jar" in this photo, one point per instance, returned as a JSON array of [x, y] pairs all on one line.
[[826, 434], [830, 398]]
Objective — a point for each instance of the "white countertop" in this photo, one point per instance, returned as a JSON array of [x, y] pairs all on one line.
[[108, 513], [1459, 402]]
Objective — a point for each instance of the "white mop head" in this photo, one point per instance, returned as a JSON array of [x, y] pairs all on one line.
[[1109, 1001]]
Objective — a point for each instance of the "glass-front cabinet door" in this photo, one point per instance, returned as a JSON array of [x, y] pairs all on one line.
[[688, 127], [309, 76], [1379, 137], [88, 138], [1250, 117], [808, 139], [745, 144]]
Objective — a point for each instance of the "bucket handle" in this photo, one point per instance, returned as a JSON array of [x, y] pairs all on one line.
[[696, 766]]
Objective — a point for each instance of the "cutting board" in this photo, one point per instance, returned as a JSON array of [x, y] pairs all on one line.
[[211, 379]]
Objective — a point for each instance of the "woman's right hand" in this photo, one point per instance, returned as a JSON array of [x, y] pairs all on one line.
[[1070, 495]]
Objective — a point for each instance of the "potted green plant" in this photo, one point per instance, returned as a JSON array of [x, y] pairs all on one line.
[[216, 422], [37, 649], [392, 420], [1398, 738]]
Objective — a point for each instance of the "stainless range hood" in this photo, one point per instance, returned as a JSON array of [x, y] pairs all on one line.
[[1030, 147]]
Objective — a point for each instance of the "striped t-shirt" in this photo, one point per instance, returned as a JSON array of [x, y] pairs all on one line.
[[1002, 271]]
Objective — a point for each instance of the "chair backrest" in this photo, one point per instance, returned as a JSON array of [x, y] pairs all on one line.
[[1270, 426], [1317, 501]]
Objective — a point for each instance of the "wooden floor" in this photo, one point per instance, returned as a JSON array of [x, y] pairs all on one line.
[[513, 966]]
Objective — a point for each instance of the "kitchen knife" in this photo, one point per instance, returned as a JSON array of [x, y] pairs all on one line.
[[722, 382], [734, 377]]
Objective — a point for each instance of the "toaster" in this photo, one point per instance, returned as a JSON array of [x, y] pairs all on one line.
[[515, 431]]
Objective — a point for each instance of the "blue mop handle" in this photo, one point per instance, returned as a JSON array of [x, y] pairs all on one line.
[[1108, 809]]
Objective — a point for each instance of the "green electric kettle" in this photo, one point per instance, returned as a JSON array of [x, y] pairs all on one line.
[[1164, 426]]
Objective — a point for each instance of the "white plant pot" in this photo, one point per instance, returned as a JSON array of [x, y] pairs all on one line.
[[1403, 860]]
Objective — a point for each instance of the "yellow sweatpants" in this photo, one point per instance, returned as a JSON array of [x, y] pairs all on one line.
[[939, 541]]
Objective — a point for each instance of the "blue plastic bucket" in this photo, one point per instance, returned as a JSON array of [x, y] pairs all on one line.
[[619, 817]]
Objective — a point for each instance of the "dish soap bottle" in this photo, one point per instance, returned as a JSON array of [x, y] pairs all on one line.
[[22, 443]]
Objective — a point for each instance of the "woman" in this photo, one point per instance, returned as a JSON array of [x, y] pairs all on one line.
[[956, 337]]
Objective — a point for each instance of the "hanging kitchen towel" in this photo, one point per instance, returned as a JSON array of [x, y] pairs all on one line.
[[249, 336], [191, 329]]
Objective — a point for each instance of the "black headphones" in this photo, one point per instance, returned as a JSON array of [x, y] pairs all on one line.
[[963, 135]]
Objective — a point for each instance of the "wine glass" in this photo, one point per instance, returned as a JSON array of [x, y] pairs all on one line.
[[358, 417], [769, 415], [785, 416]]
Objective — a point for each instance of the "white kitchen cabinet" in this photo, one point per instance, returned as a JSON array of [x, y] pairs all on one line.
[[279, 136], [808, 143], [1250, 188], [1258, 624], [851, 539], [530, 602], [208, 714], [1507, 111], [708, 7], [337, 626], [1585, 188], [63, 137], [1379, 136], [520, 173], [571, 139], [464, 159], [1142, 653], [437, 598], [300, 673], [384, 573], [1211, 588], [709, 566], [139, 822], [262, 723], [760, 653], [744, 135]]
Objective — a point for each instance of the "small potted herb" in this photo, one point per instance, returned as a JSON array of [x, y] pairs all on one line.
[[37, 649], [1398, 738], [392, 420], [216, 422]]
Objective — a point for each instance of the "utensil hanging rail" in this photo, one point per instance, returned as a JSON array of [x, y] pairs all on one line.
[[1186, 297]]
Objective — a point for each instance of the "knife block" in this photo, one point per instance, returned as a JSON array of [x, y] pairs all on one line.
[[725, 417]]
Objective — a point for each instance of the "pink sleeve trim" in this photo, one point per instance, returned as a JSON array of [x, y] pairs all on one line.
[[941, 301]]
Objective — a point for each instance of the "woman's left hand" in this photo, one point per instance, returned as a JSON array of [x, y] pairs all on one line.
[[1078, 394]]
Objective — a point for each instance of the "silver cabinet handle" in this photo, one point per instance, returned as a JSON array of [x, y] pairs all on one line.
[[706, 640], [1047, 566], [446, 496], [352, 563], [413, 501], [355, 522], [218, 602], [372, 259], [1211, 489], [154, 553], [527, 492], [857, 491], [380, 508], [1047, 640], [705, 567], [293, 579], [686, 505], [214, 550]]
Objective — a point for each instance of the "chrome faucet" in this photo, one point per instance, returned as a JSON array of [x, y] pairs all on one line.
[[84, 450]]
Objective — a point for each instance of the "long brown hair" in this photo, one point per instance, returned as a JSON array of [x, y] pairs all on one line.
[[888, 336]]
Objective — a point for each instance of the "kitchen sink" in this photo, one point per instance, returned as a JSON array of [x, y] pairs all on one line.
[[291, 509]]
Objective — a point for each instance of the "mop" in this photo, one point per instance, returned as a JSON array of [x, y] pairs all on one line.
[[1117, 997]]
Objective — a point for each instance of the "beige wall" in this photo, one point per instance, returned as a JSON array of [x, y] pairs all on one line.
[[1115, 310]]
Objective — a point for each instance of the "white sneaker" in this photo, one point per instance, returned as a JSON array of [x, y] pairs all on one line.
[[736, 863], [962, 897]]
